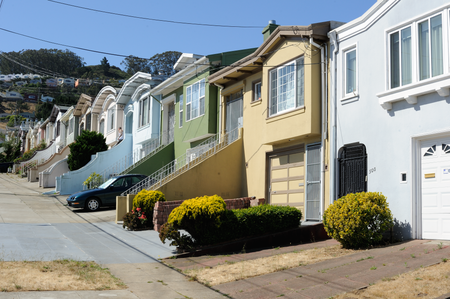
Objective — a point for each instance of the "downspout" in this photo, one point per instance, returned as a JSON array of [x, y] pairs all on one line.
[[323, 128], [333, 139], [220, 110]]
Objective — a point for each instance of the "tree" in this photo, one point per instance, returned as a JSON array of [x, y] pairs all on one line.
[[86, 145], [105, 66], [17, 107], [57, 61], [159, 63]]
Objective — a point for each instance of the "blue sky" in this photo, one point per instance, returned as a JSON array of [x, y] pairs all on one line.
[[72, 26]]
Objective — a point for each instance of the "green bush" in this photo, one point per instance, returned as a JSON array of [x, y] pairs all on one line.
[[135, 219], [199, 216], [93, 181], [146, 201], [208, 221], [358, 220], [86, 145]]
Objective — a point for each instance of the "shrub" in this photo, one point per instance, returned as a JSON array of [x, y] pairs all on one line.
[[358, 220], [199, 216], [182, 242], [135, 219], [146, 201], [208, 222], [86, 145], [93, 181]]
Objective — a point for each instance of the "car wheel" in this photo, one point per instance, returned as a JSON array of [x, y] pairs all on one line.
[[92, 204]]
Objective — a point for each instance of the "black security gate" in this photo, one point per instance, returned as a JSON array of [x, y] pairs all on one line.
[[352, 169]]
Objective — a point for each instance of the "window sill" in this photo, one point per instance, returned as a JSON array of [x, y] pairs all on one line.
[[410, 92], [285, 114], [350, 98], [194, 118], [256, 103], [143, 127]]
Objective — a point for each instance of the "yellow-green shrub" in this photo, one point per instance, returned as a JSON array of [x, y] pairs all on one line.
[[146, 200], [358, 219], [198, 215]]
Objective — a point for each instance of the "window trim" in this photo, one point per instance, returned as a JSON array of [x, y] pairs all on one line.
[[254, 84], [190, 103], [180, 110], [270, 96], [111, 119], [142, 112], [439, 83], [389, 57], [355, 93]]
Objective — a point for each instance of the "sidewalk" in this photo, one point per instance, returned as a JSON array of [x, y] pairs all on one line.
[[155, 280]]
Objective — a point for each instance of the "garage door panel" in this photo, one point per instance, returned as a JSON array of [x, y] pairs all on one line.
[[297, 198], [295, 184], [279, 198], [445, 200], [279, 173], [297, 171], [430, 201], [430, 225], [279, 186]]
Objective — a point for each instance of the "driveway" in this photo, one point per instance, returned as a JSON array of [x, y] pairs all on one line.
[[41, 227]]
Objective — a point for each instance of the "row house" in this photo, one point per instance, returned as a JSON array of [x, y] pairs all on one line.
[[390, 95]]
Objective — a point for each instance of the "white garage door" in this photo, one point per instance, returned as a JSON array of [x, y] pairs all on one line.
[[436, 189]]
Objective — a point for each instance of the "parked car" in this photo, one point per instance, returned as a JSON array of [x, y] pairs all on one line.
[[105, 194]]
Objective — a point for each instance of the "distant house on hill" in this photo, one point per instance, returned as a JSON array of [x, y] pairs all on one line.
[[52, 82], [11, 96], [46, 98], [30, 97], [82, 82]]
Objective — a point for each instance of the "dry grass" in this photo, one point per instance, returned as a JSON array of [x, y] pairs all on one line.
[[240, 270], [430, 282], [59, 275]]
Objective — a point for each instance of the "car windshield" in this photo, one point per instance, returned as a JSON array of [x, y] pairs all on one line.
[[107, 183]]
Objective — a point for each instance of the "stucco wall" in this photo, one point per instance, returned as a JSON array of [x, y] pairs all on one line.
[[221, 174], [387, 134]]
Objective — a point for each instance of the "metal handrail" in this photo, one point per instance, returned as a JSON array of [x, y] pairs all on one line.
[[191, 158]]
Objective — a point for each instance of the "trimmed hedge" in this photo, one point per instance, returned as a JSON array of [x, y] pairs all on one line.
[[358, 220], [208, 221]]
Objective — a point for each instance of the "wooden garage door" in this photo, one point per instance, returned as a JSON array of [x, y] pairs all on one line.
[[287, 179], [436, 189]]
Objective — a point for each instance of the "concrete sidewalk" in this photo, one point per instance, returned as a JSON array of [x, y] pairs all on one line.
[[327, 278]]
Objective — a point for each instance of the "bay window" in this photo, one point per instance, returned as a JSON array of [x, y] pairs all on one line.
[[195, 100], [287, 87]]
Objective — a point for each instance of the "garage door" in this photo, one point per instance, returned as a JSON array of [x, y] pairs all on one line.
[[436, 189], [287, 179]]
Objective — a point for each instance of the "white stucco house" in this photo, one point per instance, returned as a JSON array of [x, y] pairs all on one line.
[[390, 103], [111, 110]]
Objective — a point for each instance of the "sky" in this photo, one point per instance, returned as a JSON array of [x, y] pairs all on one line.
[[52, 21]]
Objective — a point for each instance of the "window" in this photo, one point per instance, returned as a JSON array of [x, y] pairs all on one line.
[[71, 124], [431, 151], [350, 72], [401, 57], [195, 100], [102, 127], [256, 91], [287, 87], [430, 47], [143, 112], [88, 122], [180, 102], [111, 119]]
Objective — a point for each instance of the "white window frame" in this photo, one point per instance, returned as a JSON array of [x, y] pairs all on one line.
[[439, 83], [257, 91], [195, 98], [429, 39], [180, 113], [355, 91], [401, 58], [274, 93], [144, 112], [111, 119]]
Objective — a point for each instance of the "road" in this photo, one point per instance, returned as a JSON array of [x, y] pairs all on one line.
[[34, 226]]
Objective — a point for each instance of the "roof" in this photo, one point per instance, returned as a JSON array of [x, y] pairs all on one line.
[[84, 102], [253, 63]]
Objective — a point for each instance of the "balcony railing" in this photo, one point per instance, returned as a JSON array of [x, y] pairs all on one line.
[[191, 158]]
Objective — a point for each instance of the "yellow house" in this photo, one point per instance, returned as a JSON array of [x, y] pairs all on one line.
[[278, 95]]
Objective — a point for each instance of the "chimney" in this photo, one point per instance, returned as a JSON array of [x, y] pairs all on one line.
[[267, 31]]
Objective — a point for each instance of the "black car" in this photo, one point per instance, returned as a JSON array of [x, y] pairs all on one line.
[[105, 194]]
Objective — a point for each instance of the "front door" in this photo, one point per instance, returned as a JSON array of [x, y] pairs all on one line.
[[435, 178], [234, 115], [313, 182]]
